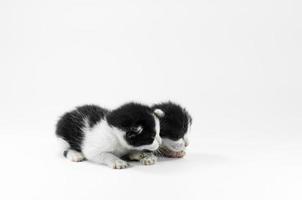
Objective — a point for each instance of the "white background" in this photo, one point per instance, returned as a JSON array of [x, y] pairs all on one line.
[[235, 65]]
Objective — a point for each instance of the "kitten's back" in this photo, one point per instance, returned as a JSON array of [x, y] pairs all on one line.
[[70, 126]]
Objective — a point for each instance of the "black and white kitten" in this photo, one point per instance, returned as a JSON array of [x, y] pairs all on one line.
[[175, 123], [102, 136]]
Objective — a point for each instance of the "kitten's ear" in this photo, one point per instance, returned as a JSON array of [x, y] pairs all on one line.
[[134, 131], [159, 113]]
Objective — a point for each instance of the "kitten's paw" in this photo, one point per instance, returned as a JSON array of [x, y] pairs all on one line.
[[149, 160], [74, 156], [120, 164]]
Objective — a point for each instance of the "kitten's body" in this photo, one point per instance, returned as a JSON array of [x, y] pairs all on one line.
[[103, 136]]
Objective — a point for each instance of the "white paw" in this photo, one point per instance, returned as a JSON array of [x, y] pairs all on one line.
[[150, 159], [120, 164], [75, 156]]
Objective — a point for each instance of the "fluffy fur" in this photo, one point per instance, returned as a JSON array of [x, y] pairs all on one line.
[[175, 123], [103, 136]]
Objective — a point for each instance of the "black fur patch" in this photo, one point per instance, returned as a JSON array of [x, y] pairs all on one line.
[[130, 116], [69, 126], [65, 153], [93, 112], [175, 122]]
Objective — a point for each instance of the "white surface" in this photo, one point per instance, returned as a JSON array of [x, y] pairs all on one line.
[[215, 167], [236, 66]]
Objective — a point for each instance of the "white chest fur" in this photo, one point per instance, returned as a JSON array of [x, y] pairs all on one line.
[[102, 138]]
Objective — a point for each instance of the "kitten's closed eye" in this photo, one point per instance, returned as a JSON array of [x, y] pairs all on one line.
[[138, 129], [134, 131]]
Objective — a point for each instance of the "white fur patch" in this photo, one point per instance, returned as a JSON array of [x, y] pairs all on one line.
[[74, 156], [157, 129], [178, 145], [100, 138], [186, 138], [159, 113]]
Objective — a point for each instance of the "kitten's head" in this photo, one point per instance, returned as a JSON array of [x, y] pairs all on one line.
[[137, 125], [175, 123]]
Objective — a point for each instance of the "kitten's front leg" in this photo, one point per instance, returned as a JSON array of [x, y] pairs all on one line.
[[108, 159], [146, 158]]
